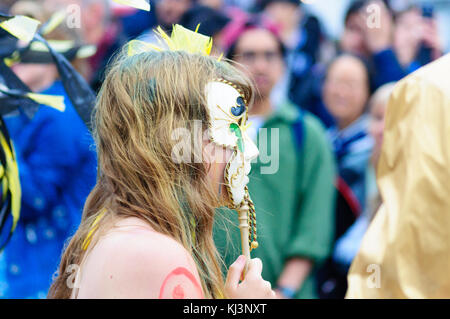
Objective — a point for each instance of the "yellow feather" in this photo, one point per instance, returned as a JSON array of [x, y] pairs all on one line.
[[181, 39], [94, 227], [187, 40], [159, 31]]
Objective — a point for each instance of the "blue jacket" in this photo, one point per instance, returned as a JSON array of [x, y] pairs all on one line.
[[387, 68], [57, 167], [352, 148]]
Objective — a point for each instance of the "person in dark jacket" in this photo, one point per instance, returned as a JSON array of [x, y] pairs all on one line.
[[57, 168]]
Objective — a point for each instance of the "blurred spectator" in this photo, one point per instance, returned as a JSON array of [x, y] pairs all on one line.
[[374, 43], [302, 35], [97, 28], [345, 93], [347, 246], [211, 22], [288, 15], [389, 48], [94, 16], [57, 170], [5, 5], [135, 22], [36, 10], [213, 4], [408, 36], [163, 13], [249, 6], [356, 166], [294, 198], [167, 13], [416, 38]]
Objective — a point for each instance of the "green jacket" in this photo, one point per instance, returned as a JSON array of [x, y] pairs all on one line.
[[294, 205]]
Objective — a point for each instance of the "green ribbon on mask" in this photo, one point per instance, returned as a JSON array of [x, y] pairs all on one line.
[[237, 131]]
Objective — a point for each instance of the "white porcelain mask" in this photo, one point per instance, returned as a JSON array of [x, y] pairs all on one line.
[[228, 114]]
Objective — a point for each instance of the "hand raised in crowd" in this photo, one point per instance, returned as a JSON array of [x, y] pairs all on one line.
[[413, 30], [253, 286], [408, 35], [431, 38]]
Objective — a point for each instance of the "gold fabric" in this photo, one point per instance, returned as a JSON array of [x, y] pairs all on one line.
[[406, 250]]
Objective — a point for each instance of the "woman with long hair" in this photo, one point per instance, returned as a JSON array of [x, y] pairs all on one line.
[[146, 230]]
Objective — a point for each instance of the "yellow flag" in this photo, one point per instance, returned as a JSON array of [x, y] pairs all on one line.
[[12, 176], [23, 28], [55, 101]]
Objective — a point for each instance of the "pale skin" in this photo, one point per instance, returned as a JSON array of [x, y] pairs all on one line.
[[132, 260], [261, 44], [37, 77]]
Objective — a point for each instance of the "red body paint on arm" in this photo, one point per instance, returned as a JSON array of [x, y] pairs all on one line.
[[178, 283], [178, 292]]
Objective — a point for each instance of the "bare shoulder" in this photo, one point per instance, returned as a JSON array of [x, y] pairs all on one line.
[[134, 261]]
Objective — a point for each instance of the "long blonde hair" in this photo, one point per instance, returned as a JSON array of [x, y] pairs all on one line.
[[142, 100]]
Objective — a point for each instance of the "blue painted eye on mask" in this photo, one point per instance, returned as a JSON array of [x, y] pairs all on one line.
[[240, 108]]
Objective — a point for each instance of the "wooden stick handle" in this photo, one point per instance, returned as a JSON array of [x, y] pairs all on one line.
[[243, 226]]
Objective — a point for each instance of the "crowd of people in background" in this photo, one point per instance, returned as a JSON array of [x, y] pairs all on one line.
[[326, 98]]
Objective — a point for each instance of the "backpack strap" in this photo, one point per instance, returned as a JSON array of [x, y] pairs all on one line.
[[298, 128]]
